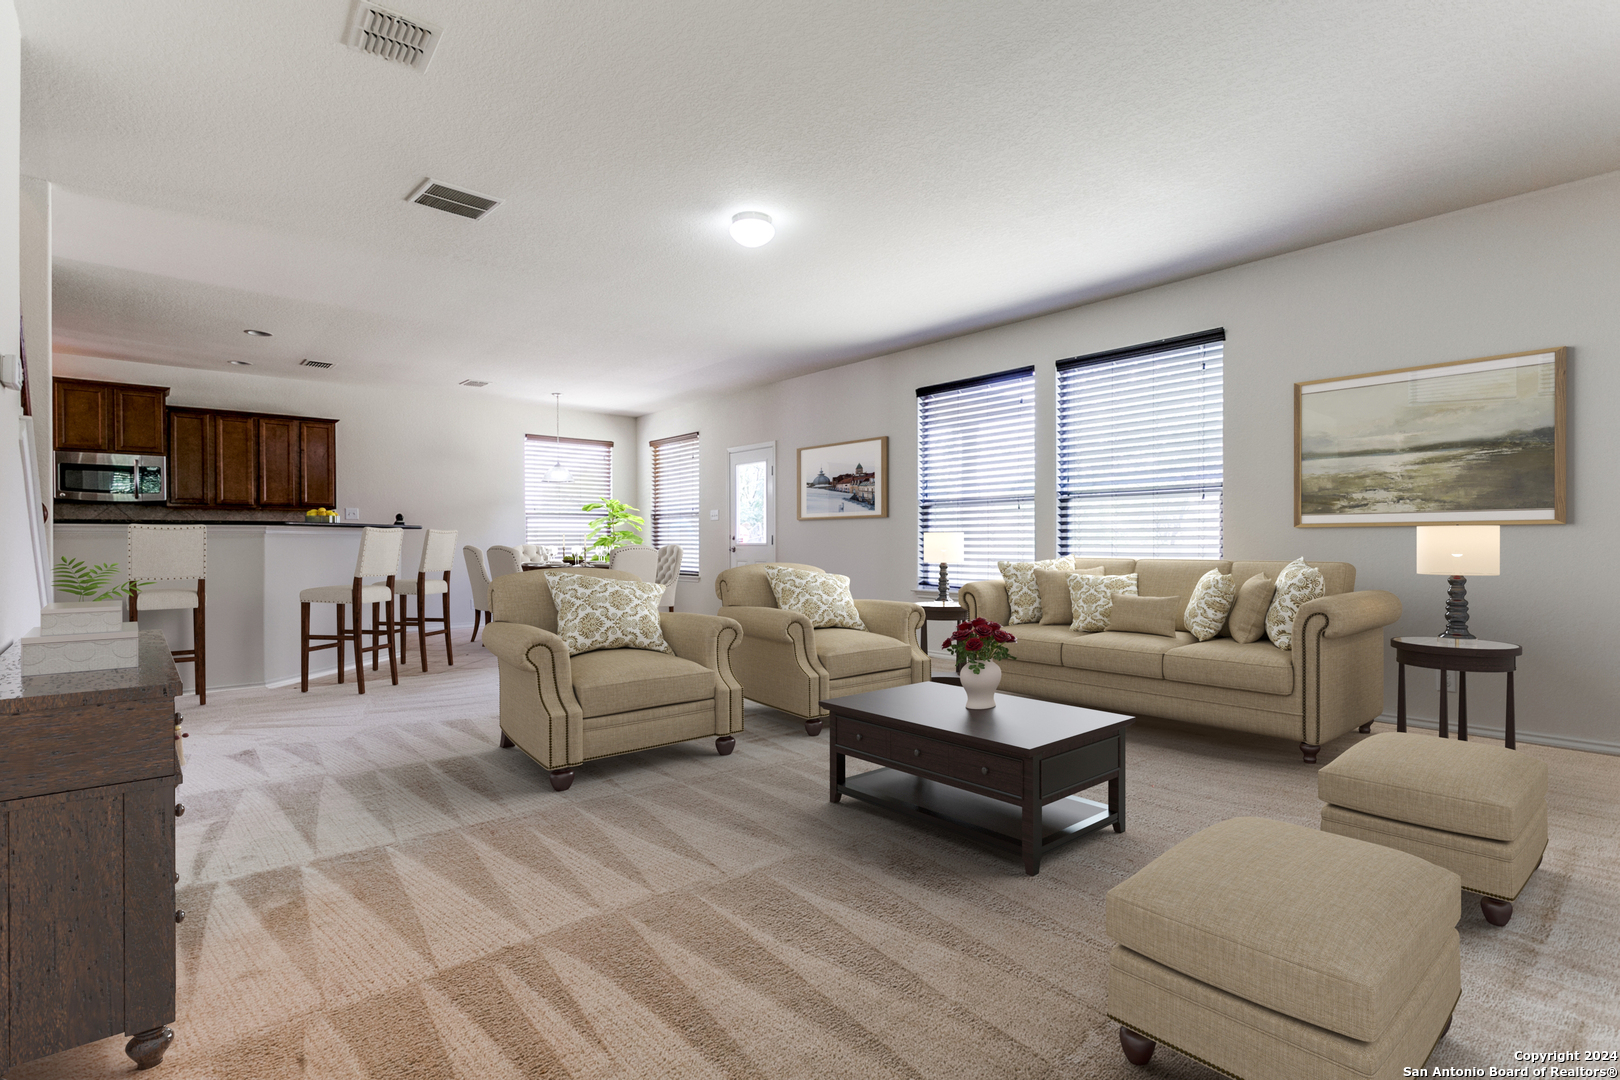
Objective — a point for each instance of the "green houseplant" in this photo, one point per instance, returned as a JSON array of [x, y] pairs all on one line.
[[91, 583], [619, 525]]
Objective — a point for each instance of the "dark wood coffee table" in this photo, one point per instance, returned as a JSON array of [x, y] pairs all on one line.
[[1008, 775]]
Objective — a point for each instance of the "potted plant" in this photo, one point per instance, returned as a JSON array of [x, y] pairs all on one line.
[[619, 525], [88, 583], [977, 645]]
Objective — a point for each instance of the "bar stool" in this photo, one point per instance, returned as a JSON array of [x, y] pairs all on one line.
[[167, 553], [379, 557], [478, 580], [438, 552]]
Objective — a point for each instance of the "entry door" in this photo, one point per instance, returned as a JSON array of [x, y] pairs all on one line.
[[753, 504]]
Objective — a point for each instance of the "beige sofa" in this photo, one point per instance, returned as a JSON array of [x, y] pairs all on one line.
[[1329, 683], [786, 663], [564, 710]]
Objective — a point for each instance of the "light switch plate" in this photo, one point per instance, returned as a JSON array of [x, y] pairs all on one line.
[[10, 372], [714, 515], [1450, 681], [351, 513]]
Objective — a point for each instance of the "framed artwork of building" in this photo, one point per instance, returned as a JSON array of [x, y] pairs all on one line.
[[1461, 443], [844, 480]]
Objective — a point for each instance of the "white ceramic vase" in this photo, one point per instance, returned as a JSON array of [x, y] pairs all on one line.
[[981, 688]]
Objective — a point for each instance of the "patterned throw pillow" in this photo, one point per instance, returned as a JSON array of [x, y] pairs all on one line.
[[1210, 604], [1022, 592], [1297, 584], [824, 599], [1092, 597], [607, 613]]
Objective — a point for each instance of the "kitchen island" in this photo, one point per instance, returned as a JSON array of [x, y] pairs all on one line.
[[255, 572]]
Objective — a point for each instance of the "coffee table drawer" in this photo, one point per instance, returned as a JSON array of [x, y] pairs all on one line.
[[862, 738], [991, 771]]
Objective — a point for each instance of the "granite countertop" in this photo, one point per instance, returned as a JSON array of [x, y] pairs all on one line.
[[300, 523], [154, 676]]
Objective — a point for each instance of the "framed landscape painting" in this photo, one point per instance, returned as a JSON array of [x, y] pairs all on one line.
[[844, 480], [1471, 442]]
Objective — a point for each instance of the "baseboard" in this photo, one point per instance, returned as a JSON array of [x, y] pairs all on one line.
[[1563, 742]]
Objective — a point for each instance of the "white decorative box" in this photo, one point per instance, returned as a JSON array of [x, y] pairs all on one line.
[[55, 654], [89, 617]]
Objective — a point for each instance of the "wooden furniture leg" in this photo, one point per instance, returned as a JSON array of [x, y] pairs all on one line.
[[1511, 744], [1445, 707], [1462, 706], [449, 654], [146, 1048], [1138, 1050], [562, 779], [1400, 697], [421, 624], [199, 643], [359, 641], [303, 652], [376, 619], [1496, 912], [393, 657]]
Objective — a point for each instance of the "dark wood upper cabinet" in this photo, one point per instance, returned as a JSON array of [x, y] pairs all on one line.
[[109, 418], [278, 461], [138, 420], [236, 460], [191, 458], [83, 416], [317, 446]]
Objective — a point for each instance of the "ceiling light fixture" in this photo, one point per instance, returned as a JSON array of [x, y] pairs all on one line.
[[752, 229], [257, 333], [242, 363], [558, 474]]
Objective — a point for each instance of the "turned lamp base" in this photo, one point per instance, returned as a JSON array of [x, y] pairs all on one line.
[[1457, 608], [944, 596]]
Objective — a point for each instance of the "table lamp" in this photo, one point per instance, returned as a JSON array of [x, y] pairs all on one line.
[[1457, 551], [944, 548]]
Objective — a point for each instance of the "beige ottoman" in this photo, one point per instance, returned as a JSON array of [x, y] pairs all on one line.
[[1270, 950], [1480, 811]]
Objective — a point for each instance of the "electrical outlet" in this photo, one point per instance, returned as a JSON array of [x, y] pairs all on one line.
[[1448, 679], [351, 513], [714, 515]]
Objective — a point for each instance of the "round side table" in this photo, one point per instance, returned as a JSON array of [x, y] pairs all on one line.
[[1461, 655]]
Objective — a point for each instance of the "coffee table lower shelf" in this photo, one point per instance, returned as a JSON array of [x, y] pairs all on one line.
[[989, 820]]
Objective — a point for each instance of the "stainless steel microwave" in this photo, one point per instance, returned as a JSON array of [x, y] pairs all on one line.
[[111, 477]]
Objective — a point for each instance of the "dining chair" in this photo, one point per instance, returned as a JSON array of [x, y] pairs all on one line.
[[637, 559], [504, 560], [478, 579], [669, 572]]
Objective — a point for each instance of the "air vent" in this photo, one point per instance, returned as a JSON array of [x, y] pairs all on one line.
[[392, 36], [451, 200], [473, 382], [322, 364]]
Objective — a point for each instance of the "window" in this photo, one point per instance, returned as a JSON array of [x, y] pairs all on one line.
[[1139, 450], [976, 470], [551, 512], [675, 496]]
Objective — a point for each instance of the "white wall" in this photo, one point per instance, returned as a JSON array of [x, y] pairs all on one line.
[[19, 595], [1526, 273], [450, 459], [34, 199]]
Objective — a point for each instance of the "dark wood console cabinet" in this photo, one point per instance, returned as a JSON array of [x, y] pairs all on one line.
[[87, 780]]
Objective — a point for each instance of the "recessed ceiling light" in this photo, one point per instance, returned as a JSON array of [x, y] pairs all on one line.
[[242, 363], [752, 228], [257, 333]]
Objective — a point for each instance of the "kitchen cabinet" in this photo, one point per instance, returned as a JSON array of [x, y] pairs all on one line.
[[241, 460], [108, 418]]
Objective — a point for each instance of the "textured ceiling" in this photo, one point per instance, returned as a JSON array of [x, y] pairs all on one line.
[[932, 168]]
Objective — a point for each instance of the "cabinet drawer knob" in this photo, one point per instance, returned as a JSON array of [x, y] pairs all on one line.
[[916, 752], [858, 736], [177, 877], [180, 915], [179, 809], [984, 769]]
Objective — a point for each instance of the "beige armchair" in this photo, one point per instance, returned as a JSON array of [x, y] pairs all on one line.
[[565, 710], [789, 665]]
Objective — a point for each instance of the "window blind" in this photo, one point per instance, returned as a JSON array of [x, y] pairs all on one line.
[[551, 512], [976, 470], [1140, 462], [675, 496]]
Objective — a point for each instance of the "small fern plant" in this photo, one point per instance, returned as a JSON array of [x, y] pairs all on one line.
[[72, 576], [619, 525]]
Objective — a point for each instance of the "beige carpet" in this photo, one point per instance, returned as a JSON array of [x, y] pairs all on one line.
[[375, 890]]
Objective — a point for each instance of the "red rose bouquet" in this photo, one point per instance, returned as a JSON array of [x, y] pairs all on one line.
[[977, 643]]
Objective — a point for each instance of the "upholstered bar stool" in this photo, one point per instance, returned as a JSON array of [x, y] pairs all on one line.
[[168, 553], [478, 580], [438, 553], [379, 557]]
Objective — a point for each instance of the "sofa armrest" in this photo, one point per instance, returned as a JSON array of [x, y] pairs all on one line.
[[1351, 613], [987, 600], [768, 624], [710, 640], [538, 709], [892, 618], [530, 647]]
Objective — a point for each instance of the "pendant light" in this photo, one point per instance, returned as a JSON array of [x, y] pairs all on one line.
[[558, 474]]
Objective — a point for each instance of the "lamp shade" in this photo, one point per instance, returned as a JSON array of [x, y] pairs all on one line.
[[944, 547], [1459, 550]]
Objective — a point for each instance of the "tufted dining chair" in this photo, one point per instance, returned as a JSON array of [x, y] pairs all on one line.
[[669, 572], [170, 553], [504, 560], [478, 581], [637, 559]]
